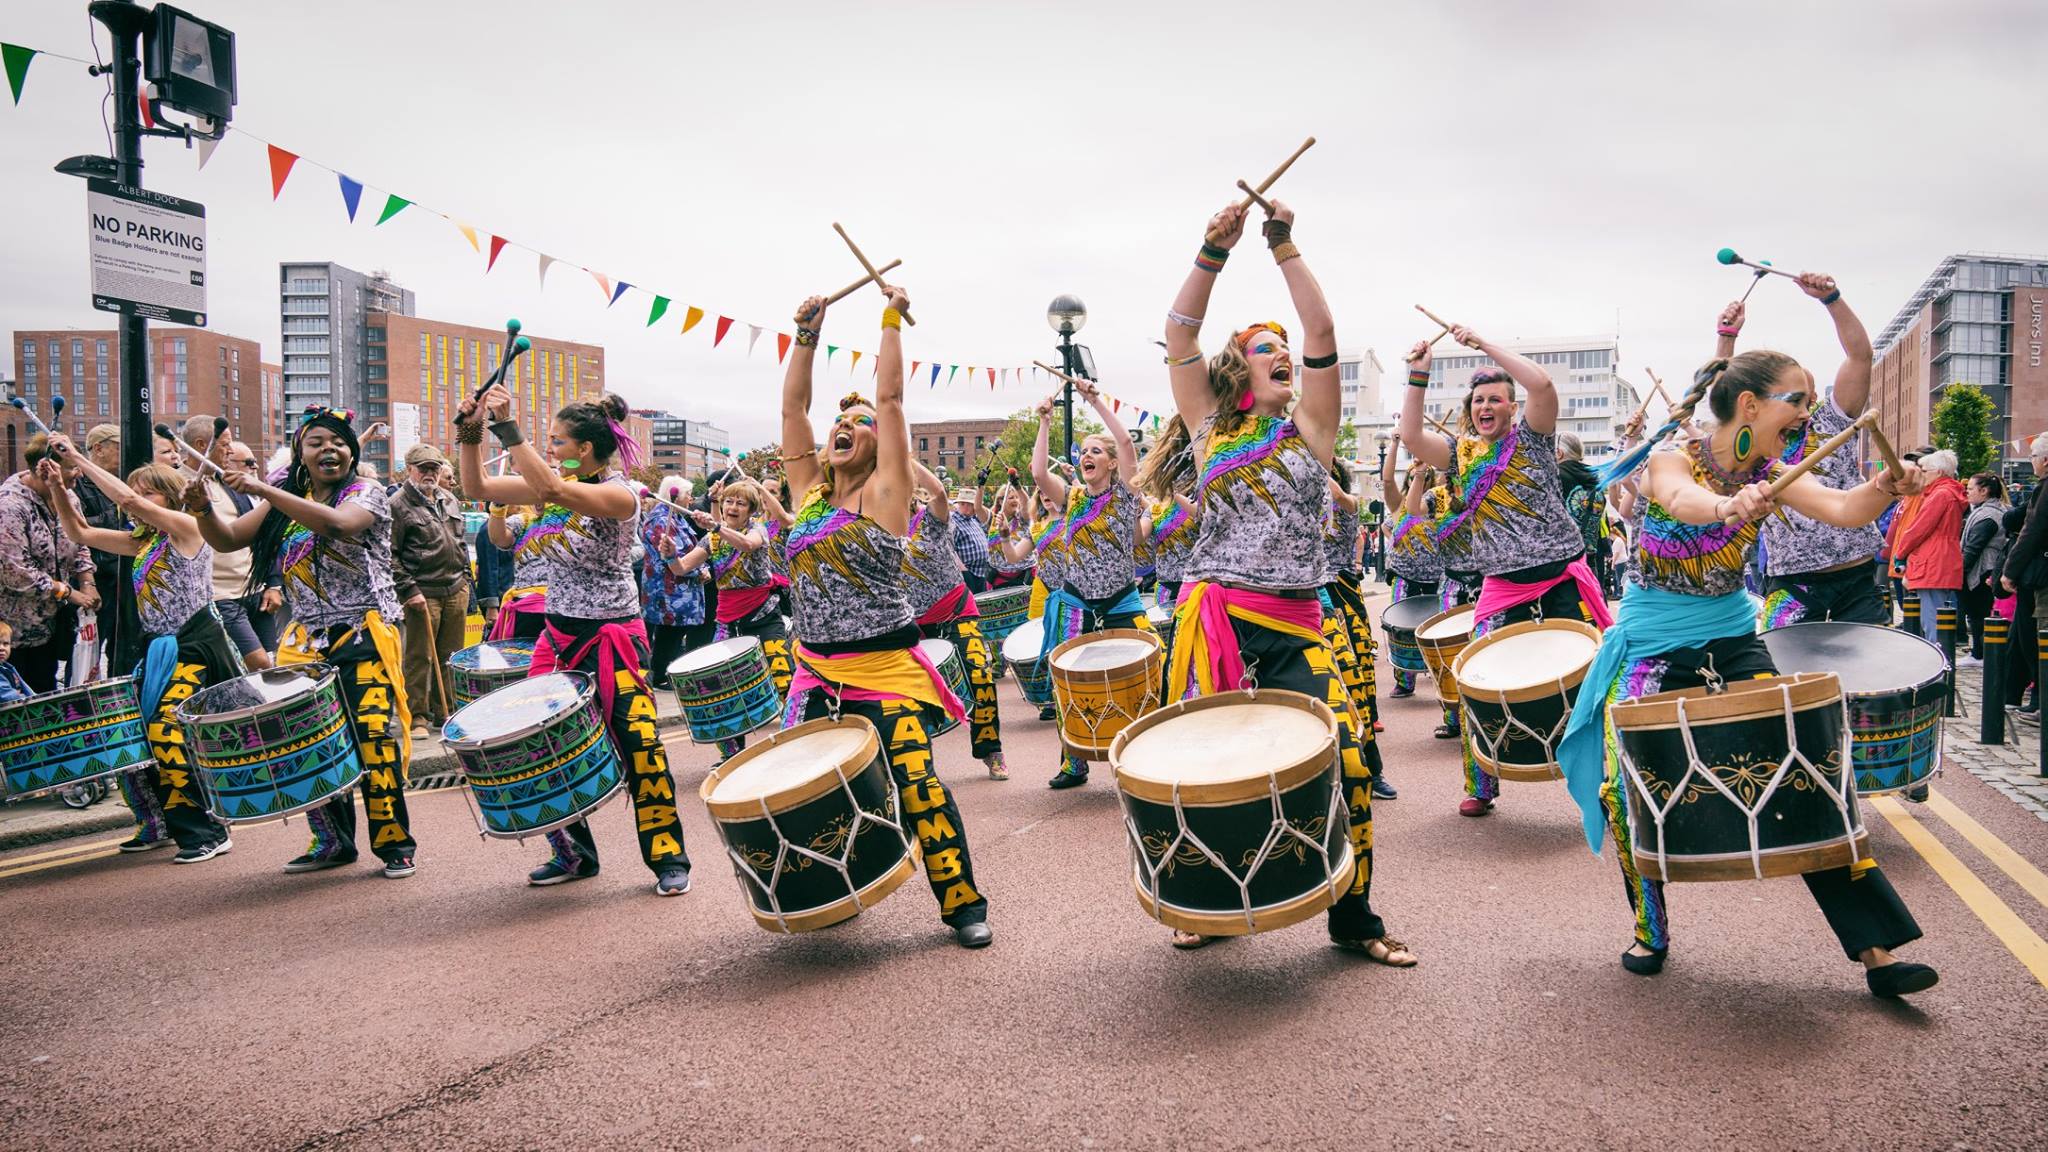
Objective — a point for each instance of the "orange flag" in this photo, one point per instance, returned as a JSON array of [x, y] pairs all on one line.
[[281, 163]]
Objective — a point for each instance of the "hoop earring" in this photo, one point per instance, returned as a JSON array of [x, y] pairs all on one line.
[[1745, 439]]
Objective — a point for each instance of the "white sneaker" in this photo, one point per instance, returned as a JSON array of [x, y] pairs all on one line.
[[1968, 661]]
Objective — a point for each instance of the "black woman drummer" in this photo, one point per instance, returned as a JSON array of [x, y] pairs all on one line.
[[1249, 609], [1686, 621]]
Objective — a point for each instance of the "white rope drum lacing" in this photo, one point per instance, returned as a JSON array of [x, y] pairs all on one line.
[[840, 864], [1492, 744], [1093, 721]]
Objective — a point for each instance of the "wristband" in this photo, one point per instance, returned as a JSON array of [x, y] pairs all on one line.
[[1284, 252], [891, 318], [1277, 232], [1418, 379], [508, 433], [1194, 357], [1725, 330], [1184, 321], [806, 337], [1211, 258], [1329, 361], [1831, 297], [469, 432]]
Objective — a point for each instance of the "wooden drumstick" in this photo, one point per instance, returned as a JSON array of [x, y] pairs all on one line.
[[857, 255], [1253, 194], [1790, 475], [1438, 320], [1885, 451], [857, 285], [1261, 201], [1076, 381]]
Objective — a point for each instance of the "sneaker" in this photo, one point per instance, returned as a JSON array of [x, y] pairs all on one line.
[[555, 872], [420, 731], [1381, 790], [137, 844], [997, 770], [399, 867], [1066, 779], [202, 852], [1401, 693], [672, 883], [312, 863], [1046, 713], [1474, 806], [1969, 662]]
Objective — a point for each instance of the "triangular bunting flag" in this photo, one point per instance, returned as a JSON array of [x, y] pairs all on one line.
[[724, 324], [497, 246], [855, 366], [753, 337], [17, 59], [469, 234], [690, 317], [935, 377], [830, 351], [281, 163], [206, 148], [781, 346], [545, 260], [654, 313], [393, 205], [604, 284], [991, 379], [1115, 405], [951, 369], [913, 368], [351, 195]]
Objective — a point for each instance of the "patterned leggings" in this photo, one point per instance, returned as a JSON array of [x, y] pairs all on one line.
[[173, 791], [985, 728], [632, 725], [370, 690]]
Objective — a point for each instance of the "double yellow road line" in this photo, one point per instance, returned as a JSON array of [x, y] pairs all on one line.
[[2023, 942], [74, 853]]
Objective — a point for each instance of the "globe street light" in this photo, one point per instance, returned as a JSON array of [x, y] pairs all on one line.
[[1067, 315]]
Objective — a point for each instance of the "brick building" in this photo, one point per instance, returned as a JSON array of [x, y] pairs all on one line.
[[191, 370], [957, 446], [683, 447]]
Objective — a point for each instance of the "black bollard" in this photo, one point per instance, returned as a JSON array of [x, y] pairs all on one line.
[[2040, 667], [1945, 634], [1991, 722], [1911, 607]]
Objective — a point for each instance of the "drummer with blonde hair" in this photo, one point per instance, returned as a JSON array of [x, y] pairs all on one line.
[[735, 544]]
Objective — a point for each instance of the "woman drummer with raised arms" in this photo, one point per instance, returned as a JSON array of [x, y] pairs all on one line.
[[1503, 491], [330, 530], [1412, 556], [736, 545], [594, 622], [945, 609], [1687, 621], [186, 647], [856, 649], [1249, 610], [1098, 586]]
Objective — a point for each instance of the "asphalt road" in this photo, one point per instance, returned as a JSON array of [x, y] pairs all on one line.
[[228, 1005]]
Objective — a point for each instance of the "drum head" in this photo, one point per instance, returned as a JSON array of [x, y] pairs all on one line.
[[1161, 618], [711, 655], [789, 762], [518, 707], [938, 651], [1214, 745], [1455, 623], [1022, 646], [1870, 660], [256, 690], [1103, 655], [1410, 613], [495, 656], [1526, 659]]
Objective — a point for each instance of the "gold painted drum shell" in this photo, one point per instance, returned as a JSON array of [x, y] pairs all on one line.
[[1441, 640], [1096, 703]]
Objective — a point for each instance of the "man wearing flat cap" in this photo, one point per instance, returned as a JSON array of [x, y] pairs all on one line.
[[430, 568]]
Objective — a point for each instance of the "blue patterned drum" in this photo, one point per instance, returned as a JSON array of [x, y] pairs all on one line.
[[1893, 682], [536, 755], [725, 689], [1003, 610], [946, 658], [52, 741], [1021, 650], [271, 743], [1399, 622], [477, 671]]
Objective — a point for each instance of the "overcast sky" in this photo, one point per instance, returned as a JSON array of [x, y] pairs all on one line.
[[1531, 169]]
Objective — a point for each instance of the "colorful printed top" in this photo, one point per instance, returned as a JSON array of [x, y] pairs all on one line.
[[996, 560], [332, 581], [1507, 500], [778, 546], [1173, 540], [1799, 543], [931, 565], [1049, 544], [672, 600], [169, 588], [529, 551], [34, 552], [734, 568], [1340, 537], [846, 572], [1694, 559], [1102, 539], [1453, 549], [1262, 494], [589, 558], [1412, 554]]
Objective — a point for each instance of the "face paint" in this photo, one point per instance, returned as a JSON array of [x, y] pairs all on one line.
[[571, 465], [1262, 349]]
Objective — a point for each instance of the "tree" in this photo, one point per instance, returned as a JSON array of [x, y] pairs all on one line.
[[1347, 441], [1013, 448], [1962, 424]]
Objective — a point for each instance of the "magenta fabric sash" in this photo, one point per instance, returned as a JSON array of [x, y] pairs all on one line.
[[1498, 595]]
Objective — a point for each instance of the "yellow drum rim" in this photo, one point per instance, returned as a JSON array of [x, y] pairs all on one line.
[[1229, 791], [1541, 691], [797, 794]]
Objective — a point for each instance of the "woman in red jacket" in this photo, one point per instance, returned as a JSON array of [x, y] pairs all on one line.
[[1932, 542]]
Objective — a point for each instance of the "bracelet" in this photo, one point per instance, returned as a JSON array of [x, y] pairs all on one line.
[[1277, 232], [806, 337], [508, 433], [1418, 379], [469, 432], [891, 318], [1329, 361], [1211, 258], [1725, 330], [1831, 297], [806, 454], [1282, 253], [59, 591], [1194, 357], [1183, 321]]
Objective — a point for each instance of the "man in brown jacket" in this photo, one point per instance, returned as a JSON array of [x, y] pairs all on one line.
[[430, 566]]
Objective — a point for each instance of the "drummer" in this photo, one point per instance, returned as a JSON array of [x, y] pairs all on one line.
[[330, 530], [186, 646], [1687, 621], [1011, 558], [944, 609], [593, 623], [1345, 624], [523, 611], [1248, 611], [857, 640], [1167, 480], [735, 544], [1411, 555], [1503, 491], [1099, 582]]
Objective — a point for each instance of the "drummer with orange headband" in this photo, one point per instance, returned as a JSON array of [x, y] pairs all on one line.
[[1099, 587], [1503, 492], [1687, 621], [1249, 611], [857, 639]]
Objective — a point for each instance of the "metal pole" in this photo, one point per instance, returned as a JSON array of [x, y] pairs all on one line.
[[1991, 725], [1067, 391], [1945, 630]]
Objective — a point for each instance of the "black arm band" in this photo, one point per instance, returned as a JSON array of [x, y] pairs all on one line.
[[1329, 361], [508, 432]]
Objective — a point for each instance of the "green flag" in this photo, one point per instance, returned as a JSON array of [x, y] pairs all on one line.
[[393, 205], [660, 306], [17, 59]]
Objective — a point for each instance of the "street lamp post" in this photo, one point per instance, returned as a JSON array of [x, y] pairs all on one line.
[[1066, 314]]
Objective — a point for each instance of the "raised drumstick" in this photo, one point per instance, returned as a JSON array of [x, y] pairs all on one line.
[[1261, 201], [857, 255], [1074, 380], [1253, 194], [1885, 451], [1788, 476], [857, 285], [164, 430]]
